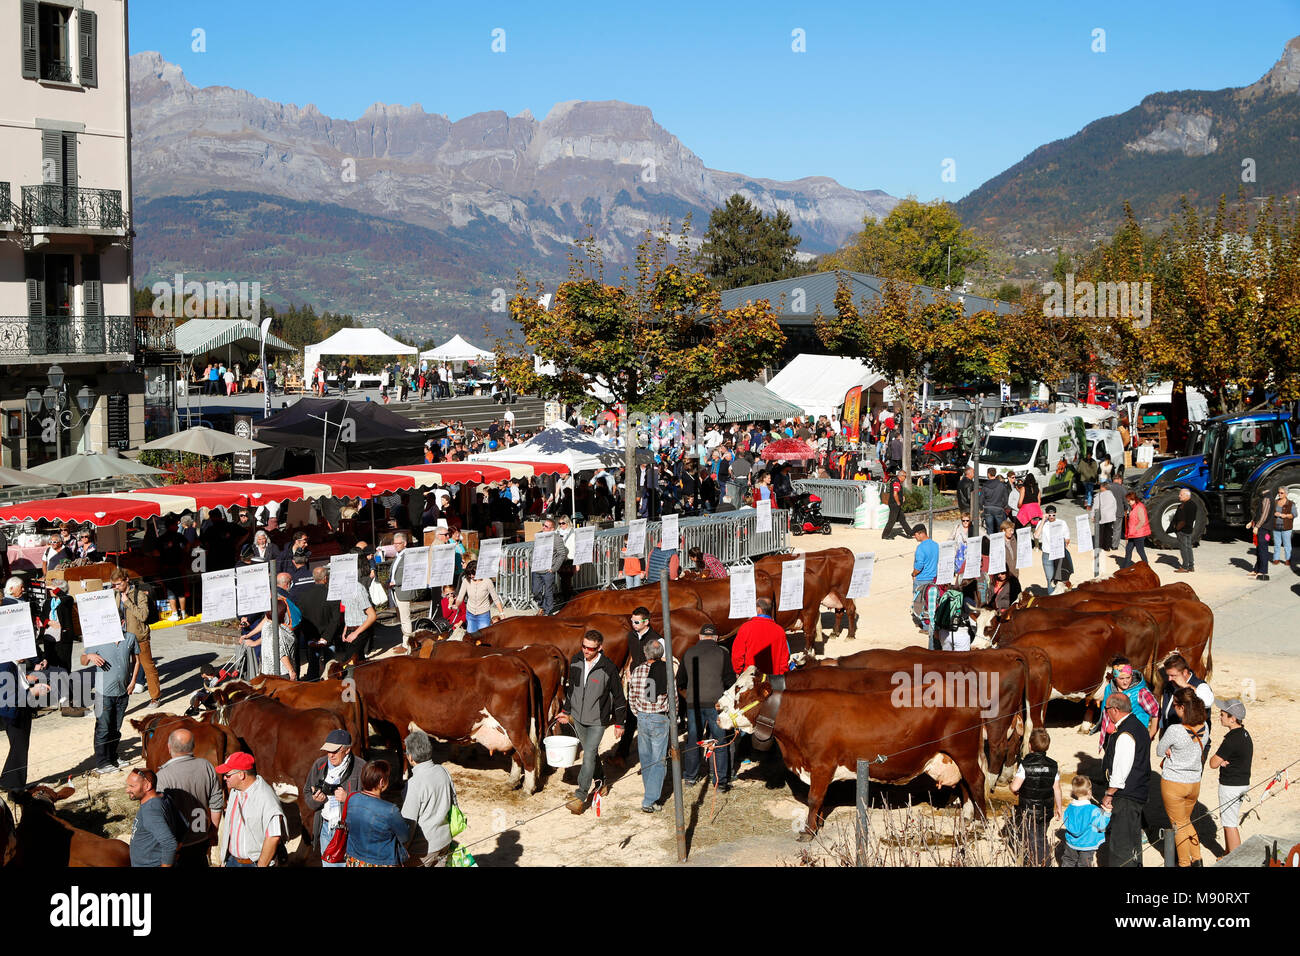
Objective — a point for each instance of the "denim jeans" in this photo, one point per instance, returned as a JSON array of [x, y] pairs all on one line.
[[1048, 567], [1263, 544], [476, 622], [543, 588], [1088, 486], [1140, 544], [1189, 559], [651, 749], [231, 861], [1282, 546], [589, 736], [993, 523], [108, 728], [703, 725]]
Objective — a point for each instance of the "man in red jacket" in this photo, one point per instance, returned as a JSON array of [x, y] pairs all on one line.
[[761, 642]]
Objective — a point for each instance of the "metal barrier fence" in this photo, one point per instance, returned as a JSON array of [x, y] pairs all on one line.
[[840, 499], [731, 536]]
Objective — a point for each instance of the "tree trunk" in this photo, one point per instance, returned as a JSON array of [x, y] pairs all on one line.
[[629, 466]]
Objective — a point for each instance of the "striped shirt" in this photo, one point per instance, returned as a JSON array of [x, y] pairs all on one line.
[[254, 815]]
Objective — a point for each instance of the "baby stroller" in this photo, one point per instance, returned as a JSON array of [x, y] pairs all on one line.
[[806, 516]]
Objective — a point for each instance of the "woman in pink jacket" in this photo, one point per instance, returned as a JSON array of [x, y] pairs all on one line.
[[1137, 526]]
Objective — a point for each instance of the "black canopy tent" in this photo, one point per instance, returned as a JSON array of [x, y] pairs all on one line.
[[324, 434]]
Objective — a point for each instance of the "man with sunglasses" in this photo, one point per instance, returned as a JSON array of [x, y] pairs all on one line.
[[594, 699], [254, 824]]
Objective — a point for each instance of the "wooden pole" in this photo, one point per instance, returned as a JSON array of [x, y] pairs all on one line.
[[674, 748]]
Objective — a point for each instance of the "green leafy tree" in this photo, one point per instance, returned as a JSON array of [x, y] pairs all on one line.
[[744, 247], [659, 339], [917, 242]]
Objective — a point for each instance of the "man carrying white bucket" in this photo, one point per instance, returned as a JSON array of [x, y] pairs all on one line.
[[594, 699]]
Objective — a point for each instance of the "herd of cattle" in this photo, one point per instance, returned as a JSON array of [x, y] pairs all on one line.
[[503, 690]]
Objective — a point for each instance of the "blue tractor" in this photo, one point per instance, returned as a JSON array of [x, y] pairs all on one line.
[[1241, 459]]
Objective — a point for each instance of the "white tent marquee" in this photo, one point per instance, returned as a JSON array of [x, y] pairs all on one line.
[[458, 350], [354, 342], [817, 383], [563, 444]]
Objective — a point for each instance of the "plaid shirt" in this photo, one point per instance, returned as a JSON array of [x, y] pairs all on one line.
[[715, 567], [639, 687]]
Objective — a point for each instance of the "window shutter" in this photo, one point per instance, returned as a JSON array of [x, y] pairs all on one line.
[[34, 266], [30, 41], [70, 160], [86, 35], [91, 287], [51, 157]]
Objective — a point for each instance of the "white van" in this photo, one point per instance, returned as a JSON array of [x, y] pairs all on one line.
[[1037, 443], [1106, 441]]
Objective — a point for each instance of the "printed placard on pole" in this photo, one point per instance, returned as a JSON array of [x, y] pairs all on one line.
[[442, 565], [743, 593], [17, 636], [584, 546], [489, 558], [997, 555], [669, 535], [343, 572], [1056, 540], [792, 575], [947, 562], [100, 622], [415, 569], [974, 558], [1024, 547], [763, 522], [543, 550], [219, 596], [252, 589], [636, 538], [864, 565], [1083, 532]]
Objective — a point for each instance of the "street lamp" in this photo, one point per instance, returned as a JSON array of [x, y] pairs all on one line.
[[55, 400]]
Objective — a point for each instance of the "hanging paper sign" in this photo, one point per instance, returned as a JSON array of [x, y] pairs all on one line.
[[636, 538], [219, 596], [442, 565], [864, 565], [413, 573], [763, 523], [974, 558], [252, 589], [100, 621], [543, 550], [489, 558], [1083, 535], [947, 562], [1024, 547], [669, 536], [997, 555], [743, 593], [792, 575], [17, 637], [1056, 540], [343, 572], [584, 546]]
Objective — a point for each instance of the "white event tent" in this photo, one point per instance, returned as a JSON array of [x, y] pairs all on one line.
[[354, 342], [817, 383], [458, 350], [562, 444]]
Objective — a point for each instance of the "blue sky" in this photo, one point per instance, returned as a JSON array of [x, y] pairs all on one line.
[[883, 95]]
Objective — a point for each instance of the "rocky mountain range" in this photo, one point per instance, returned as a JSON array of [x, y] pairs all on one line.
[[1194, 143], [527, 186]]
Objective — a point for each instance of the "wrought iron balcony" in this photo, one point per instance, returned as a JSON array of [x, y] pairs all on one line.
[[52, 204], [7, 212], [56, 71], [23, 336]]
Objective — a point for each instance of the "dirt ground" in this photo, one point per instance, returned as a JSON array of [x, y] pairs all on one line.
[[755, 824]]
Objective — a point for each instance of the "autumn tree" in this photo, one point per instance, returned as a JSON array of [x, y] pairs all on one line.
[[917, 242], [658, 339], [744, 247]]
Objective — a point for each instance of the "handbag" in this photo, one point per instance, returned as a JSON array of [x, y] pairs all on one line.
[[378, 594], [338, 845], [456, 819]]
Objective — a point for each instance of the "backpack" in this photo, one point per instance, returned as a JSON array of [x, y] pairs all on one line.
[[947, 609]]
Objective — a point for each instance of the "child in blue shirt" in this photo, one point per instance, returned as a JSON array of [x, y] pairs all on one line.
[[1085, 825]]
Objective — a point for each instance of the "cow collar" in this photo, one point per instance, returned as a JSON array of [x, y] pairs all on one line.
[[765, 720]]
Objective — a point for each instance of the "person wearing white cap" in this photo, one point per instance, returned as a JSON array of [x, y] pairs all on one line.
[[1232, 760], [333, 777], [403, 595]]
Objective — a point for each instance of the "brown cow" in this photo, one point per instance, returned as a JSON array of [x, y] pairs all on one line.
[[43, 841], [835, 568], [823, 733], [336, 696], [1135, 577], [212, 743], [284, 741], [1023, 683], [517, 632], [489, 700], [715, 601], [621, 603], [546, 661]]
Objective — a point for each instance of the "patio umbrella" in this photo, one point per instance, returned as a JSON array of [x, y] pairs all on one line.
[[10, 476], [788, 449], [90, 466], [205, 441]]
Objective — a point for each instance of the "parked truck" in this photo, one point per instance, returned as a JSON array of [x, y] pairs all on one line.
[[1239, 460]]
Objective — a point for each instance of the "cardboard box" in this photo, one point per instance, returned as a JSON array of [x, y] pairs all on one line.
[[531, 529]]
